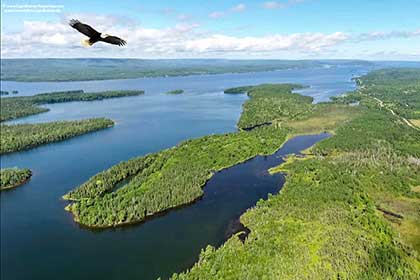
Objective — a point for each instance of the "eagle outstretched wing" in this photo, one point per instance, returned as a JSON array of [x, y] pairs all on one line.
[[84, 28], [114, 40]]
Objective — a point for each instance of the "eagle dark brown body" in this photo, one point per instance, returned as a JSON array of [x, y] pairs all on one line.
[[95, 36]]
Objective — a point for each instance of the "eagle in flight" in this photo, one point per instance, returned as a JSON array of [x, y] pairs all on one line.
[[95, 36]]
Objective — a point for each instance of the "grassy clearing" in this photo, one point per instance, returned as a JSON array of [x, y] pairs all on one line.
[[325, 117], [415, 122]]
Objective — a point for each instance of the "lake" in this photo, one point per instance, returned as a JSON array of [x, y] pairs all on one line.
[[39, 240]]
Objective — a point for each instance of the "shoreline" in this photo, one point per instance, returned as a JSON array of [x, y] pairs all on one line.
[[164, 212], [30, 147], [147, 76], [289, 135], [147, 217], [17, 184]]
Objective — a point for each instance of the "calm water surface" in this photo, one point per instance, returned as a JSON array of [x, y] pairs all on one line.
[[39, 240]]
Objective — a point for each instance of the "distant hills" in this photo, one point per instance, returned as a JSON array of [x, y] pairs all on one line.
[[35, 70]]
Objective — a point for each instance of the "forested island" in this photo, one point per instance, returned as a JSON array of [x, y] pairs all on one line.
[[26, 136], [17, 107], [5, 92], [238, 90], [32, 70], [13, 177], [349, 209], [167, 179], [176, 91]]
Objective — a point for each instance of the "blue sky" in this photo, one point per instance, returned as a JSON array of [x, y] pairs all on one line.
[[290, 29]]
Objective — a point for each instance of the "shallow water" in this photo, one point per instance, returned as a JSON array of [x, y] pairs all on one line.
[[39, 240]]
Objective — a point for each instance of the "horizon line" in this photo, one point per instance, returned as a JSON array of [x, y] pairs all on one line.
[[238, 59]]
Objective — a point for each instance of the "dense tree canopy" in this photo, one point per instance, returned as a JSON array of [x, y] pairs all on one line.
[[17, 107], [13, 177], [270, 103], [25, 136], [167, 179], [176, 91]]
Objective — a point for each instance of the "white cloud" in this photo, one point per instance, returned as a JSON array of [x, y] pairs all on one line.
[[394, 55], [387, 35], [167, 11], [58, 39], [186, 39], [239, 8], [183, 17], [216, 14], [235, 9], [271, 5], [170, 12], [299, 41]]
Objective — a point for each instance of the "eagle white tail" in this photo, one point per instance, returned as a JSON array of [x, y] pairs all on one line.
[[86, 43]]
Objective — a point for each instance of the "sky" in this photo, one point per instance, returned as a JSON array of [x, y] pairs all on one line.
[[287, 29]]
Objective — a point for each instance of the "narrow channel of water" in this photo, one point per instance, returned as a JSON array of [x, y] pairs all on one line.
[[227, 195], [172, 243]]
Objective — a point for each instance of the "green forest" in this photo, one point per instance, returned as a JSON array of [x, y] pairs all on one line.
[[26, 136], [399, 92], [17, 107], [31, 70], [167, 179], [272, 103], [13, 177], [349, 209], [5, 92], [176, 91]]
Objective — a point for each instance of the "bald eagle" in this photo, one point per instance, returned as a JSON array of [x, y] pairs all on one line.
[[95, 36]]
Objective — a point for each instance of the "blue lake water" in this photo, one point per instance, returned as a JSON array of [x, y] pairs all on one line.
[[39, 240]]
